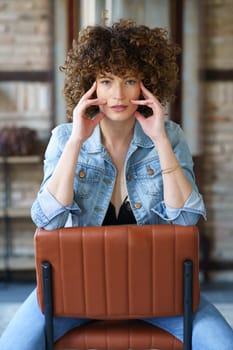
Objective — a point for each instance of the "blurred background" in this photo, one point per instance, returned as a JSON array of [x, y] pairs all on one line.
[[34, 38]]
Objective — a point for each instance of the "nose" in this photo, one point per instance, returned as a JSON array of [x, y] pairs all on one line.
[[119, 93]]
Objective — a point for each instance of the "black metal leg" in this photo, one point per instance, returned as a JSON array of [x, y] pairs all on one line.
[[48, 309], [188, 304]]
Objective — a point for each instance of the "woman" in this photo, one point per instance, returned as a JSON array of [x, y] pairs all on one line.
[[118, 162]]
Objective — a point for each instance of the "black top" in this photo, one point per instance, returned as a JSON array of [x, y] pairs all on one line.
[[125, 216]]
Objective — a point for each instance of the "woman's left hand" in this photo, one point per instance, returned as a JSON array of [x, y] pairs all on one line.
[[153, 126]]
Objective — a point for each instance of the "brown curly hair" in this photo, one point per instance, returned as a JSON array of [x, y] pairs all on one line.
[[123, 47]]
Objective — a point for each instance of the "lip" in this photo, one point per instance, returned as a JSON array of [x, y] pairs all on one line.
[[119, 108]]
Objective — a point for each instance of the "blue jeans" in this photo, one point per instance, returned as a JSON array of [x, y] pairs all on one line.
[[26, 330]]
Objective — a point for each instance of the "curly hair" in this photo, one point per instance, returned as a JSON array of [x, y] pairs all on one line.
[[123, 47]]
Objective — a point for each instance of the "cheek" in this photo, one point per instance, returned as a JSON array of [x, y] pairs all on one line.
[[137, 93], [101, 108], [133, 108], [100, 92], [97, 91]]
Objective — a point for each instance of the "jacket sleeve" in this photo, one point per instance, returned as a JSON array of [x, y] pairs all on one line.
[[189, 214], [194, 206], [46, 211]]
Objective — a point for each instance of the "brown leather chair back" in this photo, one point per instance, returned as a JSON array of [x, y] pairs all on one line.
[[118, 272]]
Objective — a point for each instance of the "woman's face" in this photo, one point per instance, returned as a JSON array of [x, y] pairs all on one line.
[[118, 92]]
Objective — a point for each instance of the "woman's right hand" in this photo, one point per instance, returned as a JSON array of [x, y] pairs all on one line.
[[83, 125]]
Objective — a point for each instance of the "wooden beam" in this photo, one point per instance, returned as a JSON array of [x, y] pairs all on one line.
[[72, 21], [176, 23], [41, 76], [216, 75]]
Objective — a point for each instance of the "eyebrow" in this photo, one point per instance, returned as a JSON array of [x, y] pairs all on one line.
[[101, 76], [109, 76]]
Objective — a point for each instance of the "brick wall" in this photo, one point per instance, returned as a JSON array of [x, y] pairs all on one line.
[[26, 104], [26, 92], [25, 37], [26, 48], [217, 20], [217, 124]]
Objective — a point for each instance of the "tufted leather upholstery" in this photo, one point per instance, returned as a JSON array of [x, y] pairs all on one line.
[[117, 274]]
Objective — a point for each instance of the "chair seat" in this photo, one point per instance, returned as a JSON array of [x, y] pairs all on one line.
[[118, 335]]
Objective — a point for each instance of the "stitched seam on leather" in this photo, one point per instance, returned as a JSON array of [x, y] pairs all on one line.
[[128, 275], [174, 274], [194, 264], [153, 269], [106, 281], [86, 339], [107, 338], [61, 263], [129, 338], [83, 272], [196, 261]]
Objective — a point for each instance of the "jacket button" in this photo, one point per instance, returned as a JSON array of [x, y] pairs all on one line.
[[137, 205], [82, 174], [150, 171], [128, 177]]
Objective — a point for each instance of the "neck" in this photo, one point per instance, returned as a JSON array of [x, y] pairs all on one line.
[[116, 134]]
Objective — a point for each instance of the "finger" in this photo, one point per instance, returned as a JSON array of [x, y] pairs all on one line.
[[142, 102], [148, 94], [98, 117], [139, 116], [85, 103], [155, 106], [149, 103], [90, 92], [96, 102]]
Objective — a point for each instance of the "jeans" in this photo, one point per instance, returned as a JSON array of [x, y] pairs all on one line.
[[26, 330]]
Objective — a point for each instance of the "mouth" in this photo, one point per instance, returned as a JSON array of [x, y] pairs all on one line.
[[118, 108]]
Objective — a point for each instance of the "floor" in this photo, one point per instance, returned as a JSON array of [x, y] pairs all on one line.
[[13, 294]]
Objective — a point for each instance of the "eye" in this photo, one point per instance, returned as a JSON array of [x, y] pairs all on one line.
[[131, 81], [105, 81]]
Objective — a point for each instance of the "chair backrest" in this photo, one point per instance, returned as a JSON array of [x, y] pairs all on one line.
[[118, 272]]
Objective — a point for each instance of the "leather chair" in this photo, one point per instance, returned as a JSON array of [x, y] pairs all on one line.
[[117, 275]]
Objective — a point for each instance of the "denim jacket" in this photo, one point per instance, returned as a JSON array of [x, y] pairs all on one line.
[[95, 177]]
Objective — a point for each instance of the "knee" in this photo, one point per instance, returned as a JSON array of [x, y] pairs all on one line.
[[210, 330]]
